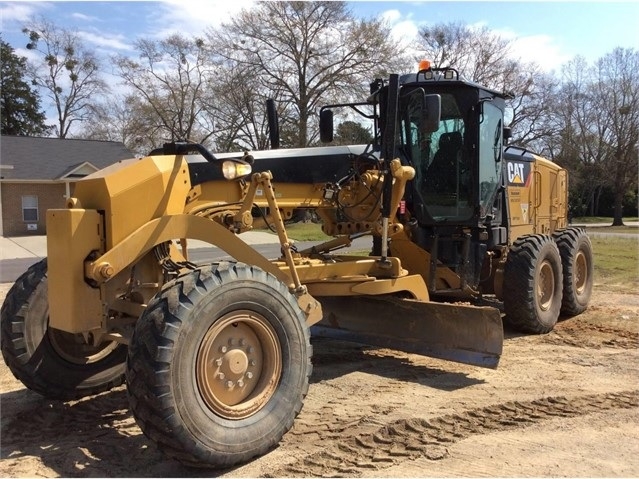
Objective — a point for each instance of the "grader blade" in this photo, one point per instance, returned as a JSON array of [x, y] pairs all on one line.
[[465, 334]]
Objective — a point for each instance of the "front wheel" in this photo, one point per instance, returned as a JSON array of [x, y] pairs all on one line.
[[219, 365], [53, 363], [532, 288]]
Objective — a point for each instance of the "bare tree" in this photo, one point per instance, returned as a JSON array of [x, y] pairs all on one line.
[[173, 79], [534, 95], [478, 54], [240, 106], [484, 57], [596, 124], [576, 138], [616, 95], [124, 118], [67, 73], [308, 53]]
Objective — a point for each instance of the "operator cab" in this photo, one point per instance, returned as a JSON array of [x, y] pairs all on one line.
[[451, 132], [458, 166]]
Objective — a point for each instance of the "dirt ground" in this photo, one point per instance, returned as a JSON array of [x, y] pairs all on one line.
[[562, 404]]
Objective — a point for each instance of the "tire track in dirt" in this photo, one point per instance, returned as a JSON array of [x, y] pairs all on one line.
[[333, 422], [411, 438], [586, 335]]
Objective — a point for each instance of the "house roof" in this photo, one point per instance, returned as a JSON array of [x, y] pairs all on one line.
[[33, 158]]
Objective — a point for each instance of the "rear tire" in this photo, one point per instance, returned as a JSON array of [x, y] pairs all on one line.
[[53, 363], [577, 262], [533, 284], [219, 365]]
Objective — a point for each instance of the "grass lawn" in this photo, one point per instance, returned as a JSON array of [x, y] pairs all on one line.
[[305, 232], [617, 263], [614, 229], [600, 219], [616, 259]]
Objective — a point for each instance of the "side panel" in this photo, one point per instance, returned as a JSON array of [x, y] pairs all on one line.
[[550, 197], [519, 178], [133, 192], [72, 234], [537, 195]]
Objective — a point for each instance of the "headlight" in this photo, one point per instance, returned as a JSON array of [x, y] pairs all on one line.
[[232, 169]]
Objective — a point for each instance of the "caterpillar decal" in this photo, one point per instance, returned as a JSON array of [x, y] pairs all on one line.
[[518, 173]]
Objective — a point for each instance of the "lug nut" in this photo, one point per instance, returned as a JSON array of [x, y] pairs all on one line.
[[240, 383], [223, 349], [249, 375], [230, 341], [218, 361], [250, 350], [229, 384], [252, 362], [242, 342], [221, 376]]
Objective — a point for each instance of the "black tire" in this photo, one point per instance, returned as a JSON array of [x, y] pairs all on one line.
[[53, 363], [532, 289], [184, 340], [577, 262]]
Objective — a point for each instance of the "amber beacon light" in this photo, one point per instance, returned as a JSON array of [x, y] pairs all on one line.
[[424, 65]]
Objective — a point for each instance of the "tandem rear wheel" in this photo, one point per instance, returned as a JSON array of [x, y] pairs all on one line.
[[533, 284], [219, 365], [578, 267]]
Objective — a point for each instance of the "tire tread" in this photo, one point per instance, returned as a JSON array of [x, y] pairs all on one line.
[[519, 284], [14, 349], [569, 241], [149, 360]]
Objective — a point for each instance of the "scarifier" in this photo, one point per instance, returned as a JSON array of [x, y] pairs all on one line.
[[217, 357]]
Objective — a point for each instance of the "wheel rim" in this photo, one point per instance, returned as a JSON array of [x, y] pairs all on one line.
[[545, 286], [74, 348], [238, 364], [580, 272]]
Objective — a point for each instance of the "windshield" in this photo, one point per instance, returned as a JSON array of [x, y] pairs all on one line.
[[442, 165]]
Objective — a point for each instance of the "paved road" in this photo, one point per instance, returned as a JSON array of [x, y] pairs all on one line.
[[12, 268]]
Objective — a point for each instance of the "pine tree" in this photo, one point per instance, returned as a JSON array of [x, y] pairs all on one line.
[[20, 108]]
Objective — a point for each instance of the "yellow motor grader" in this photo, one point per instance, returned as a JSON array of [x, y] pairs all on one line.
[[217, 356]]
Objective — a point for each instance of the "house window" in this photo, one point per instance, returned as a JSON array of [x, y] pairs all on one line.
[[30, 208]]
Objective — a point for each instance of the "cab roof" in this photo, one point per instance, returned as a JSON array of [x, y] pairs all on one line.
[[420, 79]]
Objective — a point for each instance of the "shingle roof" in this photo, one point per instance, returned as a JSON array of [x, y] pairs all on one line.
[[35, 158]]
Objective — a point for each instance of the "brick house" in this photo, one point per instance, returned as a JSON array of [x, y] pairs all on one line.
[[37, 174]]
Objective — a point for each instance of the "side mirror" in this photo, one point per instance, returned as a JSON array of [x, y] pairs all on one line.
[[326, 126], [509, 115], [432, 111], [508, 134], [273, 124]]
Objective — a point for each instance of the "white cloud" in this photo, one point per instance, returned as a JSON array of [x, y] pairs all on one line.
[[193, 17], [30, 55], [540, 49], [83, 17], [391, 16], [104, 40], [17, 12], [403, 29]]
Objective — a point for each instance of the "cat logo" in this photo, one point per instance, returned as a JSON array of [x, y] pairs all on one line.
[[517, 173]]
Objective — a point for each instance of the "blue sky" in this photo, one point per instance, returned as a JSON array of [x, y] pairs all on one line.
[[549, 33]]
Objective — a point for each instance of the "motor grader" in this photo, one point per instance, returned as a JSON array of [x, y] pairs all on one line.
[[217, 356]]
